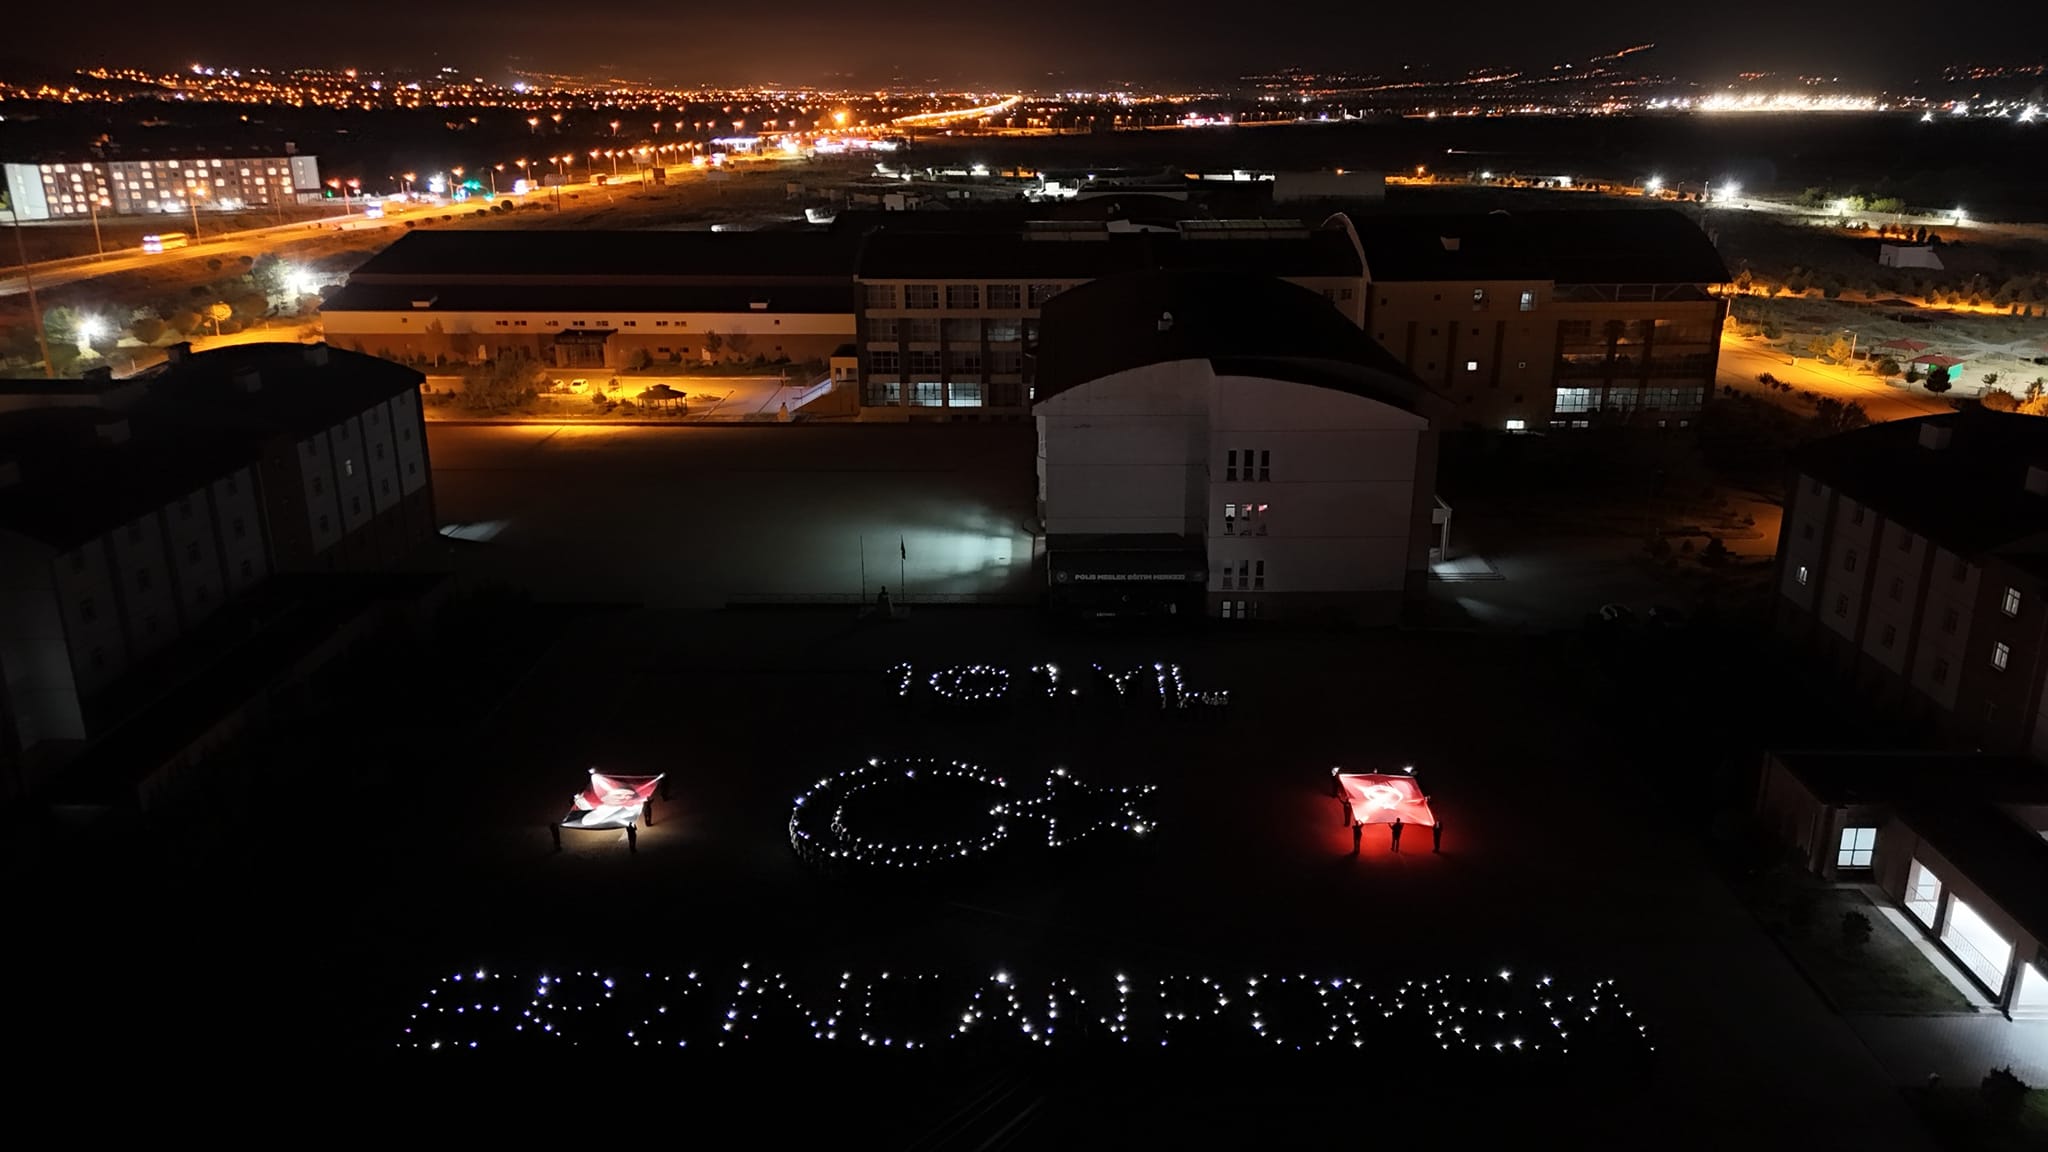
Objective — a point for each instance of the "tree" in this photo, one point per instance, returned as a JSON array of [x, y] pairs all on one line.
[[1855, 930], [1890, 205], [2004, 1093], [511, 379], [1812, 197], [1999, 400], [1887, 367], [1937, 380], [1832, 416], [146, 329], [2035, 389], [713, 344], [640, 359], [1990, 379]]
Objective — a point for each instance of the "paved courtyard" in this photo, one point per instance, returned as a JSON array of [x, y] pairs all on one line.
[[1549, 865]]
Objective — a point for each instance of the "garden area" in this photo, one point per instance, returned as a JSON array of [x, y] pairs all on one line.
[[1847, 948]]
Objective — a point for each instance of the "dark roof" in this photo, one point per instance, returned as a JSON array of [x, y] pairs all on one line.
[[1577, 246], [894, 255], [1894, 777], [482, 255], [1242, 324], [1970, 497], [194, 421], [595, 300], [2004, 858]]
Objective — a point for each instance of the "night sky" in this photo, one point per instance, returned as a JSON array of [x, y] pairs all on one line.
[[1043, 43]]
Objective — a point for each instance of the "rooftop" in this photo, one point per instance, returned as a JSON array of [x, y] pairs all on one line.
[[1969, 496], [979, 255], [568, 257], [1888, 777], [81, 469], [594, 300], [1244, 324], [1576, 246]]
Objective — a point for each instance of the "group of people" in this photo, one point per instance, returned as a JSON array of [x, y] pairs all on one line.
[[1436, 831]]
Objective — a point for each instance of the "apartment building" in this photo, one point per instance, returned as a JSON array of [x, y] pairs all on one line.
[[1559, 320], [133, 513], [1913, 558], [946, 318], [601, 300], [140, 186], [1220, 443]]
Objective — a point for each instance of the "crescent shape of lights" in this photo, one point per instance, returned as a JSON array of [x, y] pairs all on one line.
[[824, 831]]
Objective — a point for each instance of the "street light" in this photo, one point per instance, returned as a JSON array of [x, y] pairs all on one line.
[[615, 127], [533, 125], [406, 187], [1654, 184]]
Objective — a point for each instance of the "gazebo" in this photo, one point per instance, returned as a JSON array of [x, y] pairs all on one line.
[[663, 396], [611, 802]]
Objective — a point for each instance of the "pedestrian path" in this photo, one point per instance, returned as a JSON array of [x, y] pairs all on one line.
[[1960, 1049]]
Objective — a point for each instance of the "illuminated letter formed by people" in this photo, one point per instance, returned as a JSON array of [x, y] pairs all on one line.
[[1487, 1015], [1159, 682], [883, 813]]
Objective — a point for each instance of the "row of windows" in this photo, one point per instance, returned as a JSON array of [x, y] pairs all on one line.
[[937, 394], [882, 362], [1624, 399], [956, 330], [1240, 609], [1263, 471], [958, 297], [1249, 575]]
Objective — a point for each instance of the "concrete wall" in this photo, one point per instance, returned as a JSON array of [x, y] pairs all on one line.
[[1145, 451]]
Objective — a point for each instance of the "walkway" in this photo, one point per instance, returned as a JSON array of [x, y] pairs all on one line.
[[1960, 1048]]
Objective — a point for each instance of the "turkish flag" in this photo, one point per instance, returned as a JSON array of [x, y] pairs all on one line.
[[1377, 799]]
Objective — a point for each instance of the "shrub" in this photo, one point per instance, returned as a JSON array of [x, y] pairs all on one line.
[[1990, 379], [147, 329], [213, 263], [1999, 400], [1855, 930], [1887, 367], [1937, 380], [1912, 375], [2003, 1092]]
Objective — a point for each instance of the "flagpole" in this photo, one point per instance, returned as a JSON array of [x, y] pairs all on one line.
[[902, 564], [863, 569]]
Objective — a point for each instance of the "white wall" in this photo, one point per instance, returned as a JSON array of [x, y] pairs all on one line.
[[1847, 567], [239, 525], [143, 581], [193, 554], [316, 475], [1144, 451], [1124, 454], [91, 606]]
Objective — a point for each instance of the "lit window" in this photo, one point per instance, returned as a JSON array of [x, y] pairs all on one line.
[[1800, 575], [2012, 601], [1471, 365], [1517, 425], [1858, 846], [1528, 301], [2001, 652], [1229, 519]]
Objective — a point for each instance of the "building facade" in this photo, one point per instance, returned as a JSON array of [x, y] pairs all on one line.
[[1550, 320], [1913, 561], [601, 301], [128, 524], [1958, 843], [947, 318], [1228, 444], [74, 190]]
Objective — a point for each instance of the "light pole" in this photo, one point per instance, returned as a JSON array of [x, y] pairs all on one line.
[[92, 203], [615, 127], [192, 202], [28, 281], [615, 160], [533, 125], [406, 186], [523, 173], [494, 170]]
